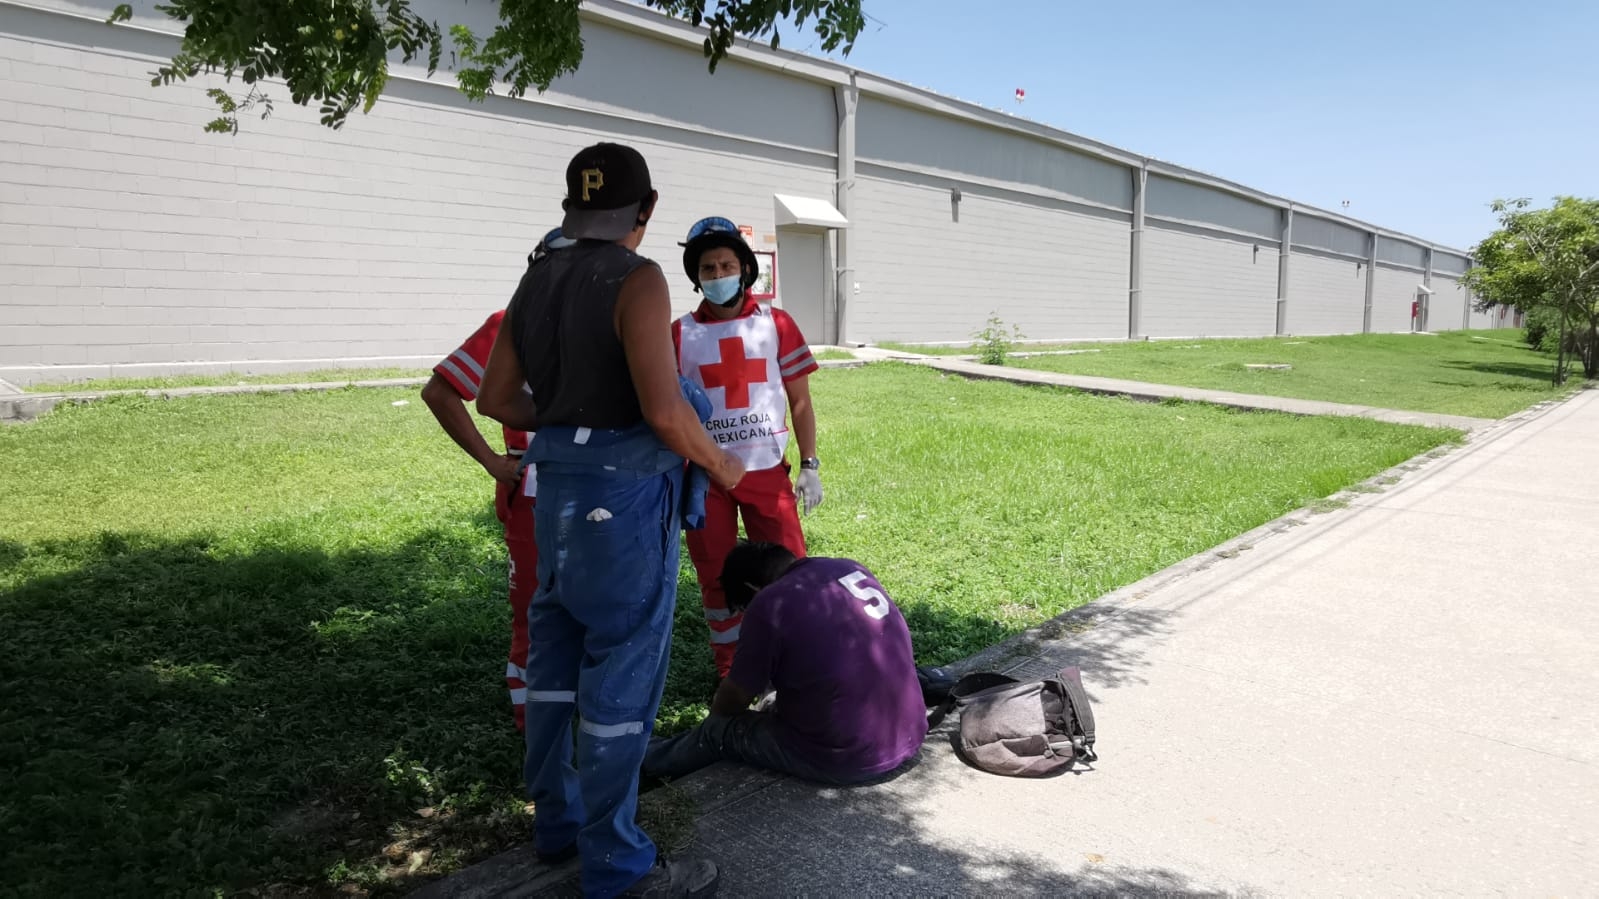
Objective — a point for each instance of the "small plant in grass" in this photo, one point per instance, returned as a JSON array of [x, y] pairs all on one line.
[[995, 341]]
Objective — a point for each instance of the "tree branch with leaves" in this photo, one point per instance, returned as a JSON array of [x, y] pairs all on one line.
[[336, 53]]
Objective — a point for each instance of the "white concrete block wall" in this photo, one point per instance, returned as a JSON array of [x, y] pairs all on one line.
[[133, 238], [1326, 294], [1207, 285], [944, 146], [132, 242], [151, 242], [923, 276], [1446, 307], [1392, 296], [1499, 317]]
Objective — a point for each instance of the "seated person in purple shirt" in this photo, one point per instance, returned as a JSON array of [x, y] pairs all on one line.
[[825, 636]]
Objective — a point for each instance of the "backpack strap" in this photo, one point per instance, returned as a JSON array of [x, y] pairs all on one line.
[[1082, 712], [976, 682], [935, 683]]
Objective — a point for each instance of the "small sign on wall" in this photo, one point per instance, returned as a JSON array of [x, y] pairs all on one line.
[[748, 231], [765, 287]]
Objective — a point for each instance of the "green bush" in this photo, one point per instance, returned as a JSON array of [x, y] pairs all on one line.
[[1542, 329], [994, 342]]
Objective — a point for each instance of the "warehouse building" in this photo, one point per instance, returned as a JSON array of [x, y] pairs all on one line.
[[134, 243]]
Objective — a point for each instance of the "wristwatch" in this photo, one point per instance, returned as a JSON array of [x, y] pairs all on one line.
[[811, 464]]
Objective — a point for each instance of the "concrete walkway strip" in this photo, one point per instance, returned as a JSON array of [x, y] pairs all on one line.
[[27, 406], [1156, 392], [17, 406]]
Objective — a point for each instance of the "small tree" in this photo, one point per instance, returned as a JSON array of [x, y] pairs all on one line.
[[336, 52], [1545, 262], [994, 342]]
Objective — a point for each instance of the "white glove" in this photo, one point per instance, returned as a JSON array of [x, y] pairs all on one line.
[[808, 489]]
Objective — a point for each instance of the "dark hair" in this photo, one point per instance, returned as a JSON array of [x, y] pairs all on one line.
[[750, 568]]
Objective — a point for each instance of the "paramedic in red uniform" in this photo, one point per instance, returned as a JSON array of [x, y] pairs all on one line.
[[754, 365], [455, 383]]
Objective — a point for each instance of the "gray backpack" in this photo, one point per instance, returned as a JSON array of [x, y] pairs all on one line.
[[1032, 729]]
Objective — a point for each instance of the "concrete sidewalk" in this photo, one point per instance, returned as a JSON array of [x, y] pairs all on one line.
[[19, 406], [1145, 391], [1397, 697]]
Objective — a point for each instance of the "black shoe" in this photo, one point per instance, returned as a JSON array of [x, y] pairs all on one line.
[[685, 877], [557, 857]]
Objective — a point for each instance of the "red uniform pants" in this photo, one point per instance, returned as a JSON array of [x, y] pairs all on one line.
[[515, 511], [765, 500]]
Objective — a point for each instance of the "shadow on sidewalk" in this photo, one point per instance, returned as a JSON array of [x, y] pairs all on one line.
[[1107, 642], [934, 828], [886, 841], [914, 835]]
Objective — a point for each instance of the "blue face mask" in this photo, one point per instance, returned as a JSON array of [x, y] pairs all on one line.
[[723, 291]]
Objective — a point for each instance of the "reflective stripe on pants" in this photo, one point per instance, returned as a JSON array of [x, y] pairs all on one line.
[[600, 631]]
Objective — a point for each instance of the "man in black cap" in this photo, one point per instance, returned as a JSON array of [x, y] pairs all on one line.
[[589, 332]]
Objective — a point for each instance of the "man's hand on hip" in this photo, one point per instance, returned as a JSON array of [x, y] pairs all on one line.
[[808, 489], [505, 469]]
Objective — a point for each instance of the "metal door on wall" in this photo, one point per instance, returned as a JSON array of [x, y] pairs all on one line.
[[801, 276]]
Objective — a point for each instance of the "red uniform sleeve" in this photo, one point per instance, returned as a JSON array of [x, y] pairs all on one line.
[[463, 369], [677, 343], [794, 357]]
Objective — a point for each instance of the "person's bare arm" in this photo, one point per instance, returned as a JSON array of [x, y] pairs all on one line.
[[450, 410], [644, 324], [730, 699], [501, 397], [804, 415]]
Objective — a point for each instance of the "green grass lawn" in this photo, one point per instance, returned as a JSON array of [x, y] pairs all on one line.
[[227, 380], [258, 640], [1486, 374]]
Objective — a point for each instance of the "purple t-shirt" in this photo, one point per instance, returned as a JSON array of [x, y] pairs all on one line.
[[835, 647]]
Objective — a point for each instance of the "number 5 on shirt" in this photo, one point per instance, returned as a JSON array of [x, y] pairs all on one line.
[[876, 603]]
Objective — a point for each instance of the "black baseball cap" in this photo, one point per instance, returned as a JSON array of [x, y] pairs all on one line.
[[606, 186]]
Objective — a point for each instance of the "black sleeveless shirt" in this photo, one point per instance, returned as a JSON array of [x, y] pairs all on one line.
[[563, 325]]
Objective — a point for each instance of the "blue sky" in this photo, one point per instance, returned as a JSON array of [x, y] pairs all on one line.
[[1418, 112]]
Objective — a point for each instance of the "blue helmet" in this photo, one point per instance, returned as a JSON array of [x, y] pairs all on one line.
[[550, 243], [717, 232]]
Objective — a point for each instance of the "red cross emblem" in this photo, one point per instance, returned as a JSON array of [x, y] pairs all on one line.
[[735, 373]]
